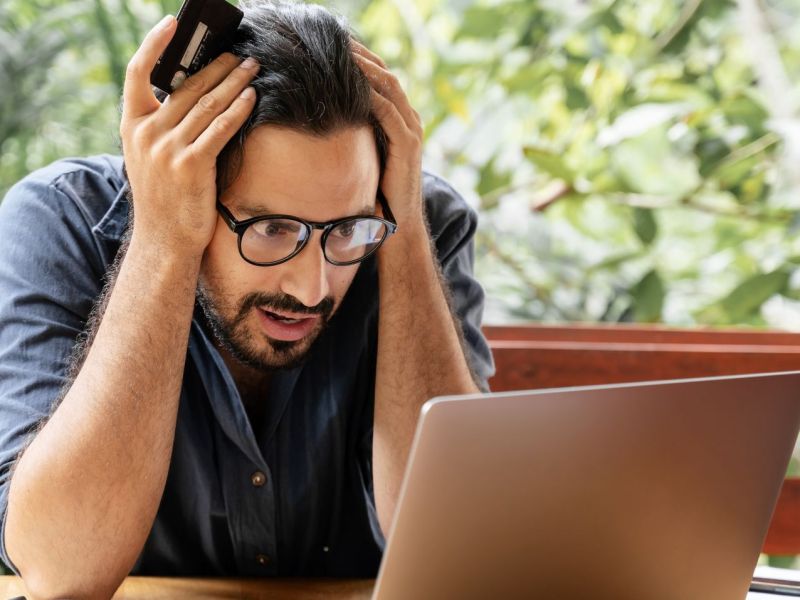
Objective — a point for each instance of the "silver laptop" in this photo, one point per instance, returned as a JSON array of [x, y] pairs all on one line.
[[647, 491]]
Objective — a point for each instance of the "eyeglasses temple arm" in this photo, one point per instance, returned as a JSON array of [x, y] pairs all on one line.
[[229, 219], [387, 212]]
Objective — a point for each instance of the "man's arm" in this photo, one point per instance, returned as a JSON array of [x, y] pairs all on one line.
[[84, 494], [420, 354]]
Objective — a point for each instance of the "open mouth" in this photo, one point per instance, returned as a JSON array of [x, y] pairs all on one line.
[[286, 327], [282, 318]]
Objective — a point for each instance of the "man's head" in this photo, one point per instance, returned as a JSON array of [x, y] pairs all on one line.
[[311, 149]]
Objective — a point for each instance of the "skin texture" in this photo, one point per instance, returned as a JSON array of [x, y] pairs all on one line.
[[107, 446], [314, 178], [419, 352]]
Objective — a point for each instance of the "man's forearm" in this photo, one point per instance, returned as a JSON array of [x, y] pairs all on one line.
[[419, 356], [84, 494]]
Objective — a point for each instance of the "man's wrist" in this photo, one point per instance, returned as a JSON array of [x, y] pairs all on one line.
[[163, 252], [411, 241]]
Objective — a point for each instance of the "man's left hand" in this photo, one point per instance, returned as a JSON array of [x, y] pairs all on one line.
[[401, 181]]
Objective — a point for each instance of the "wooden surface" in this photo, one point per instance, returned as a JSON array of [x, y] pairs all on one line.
[[620, 332], [161, 588], [530, 357], [541, 356]]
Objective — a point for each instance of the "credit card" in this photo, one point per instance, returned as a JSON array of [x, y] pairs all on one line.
[[205, 30]]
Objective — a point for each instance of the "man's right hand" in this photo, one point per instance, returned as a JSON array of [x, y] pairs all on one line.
[[107, 445], [171, 149]]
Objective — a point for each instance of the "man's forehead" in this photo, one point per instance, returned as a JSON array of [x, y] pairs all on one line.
[[318, 178], [256, 207]]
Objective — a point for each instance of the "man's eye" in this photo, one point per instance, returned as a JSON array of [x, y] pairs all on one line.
[[345, 230], [278, 228]]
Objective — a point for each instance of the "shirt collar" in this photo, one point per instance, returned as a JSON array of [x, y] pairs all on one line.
[[114, 222]]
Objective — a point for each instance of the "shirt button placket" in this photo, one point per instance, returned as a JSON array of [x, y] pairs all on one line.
[[259, 480]]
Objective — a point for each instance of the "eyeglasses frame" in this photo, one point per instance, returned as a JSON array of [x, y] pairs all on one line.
[[239, 227]]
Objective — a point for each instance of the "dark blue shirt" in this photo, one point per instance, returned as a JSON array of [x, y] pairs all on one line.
[[292, 496]]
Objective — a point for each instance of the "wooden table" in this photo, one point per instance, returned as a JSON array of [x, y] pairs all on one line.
[[162, 588], [141, 588]]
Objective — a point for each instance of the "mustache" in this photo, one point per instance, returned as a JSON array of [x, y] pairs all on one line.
[[287, 303]]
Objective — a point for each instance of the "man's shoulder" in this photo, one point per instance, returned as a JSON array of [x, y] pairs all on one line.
[[445, 207], [91, 183]]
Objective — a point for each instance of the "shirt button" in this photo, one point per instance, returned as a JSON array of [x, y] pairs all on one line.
[[258, 479], [262, 559]]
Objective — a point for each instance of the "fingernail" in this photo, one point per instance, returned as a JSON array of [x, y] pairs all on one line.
[[249, 63], [248, 93], [165, 22]]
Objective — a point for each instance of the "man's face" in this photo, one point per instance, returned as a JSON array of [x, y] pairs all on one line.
[[268, 317]]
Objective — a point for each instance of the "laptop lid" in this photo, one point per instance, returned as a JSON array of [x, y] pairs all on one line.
[[642, 491]]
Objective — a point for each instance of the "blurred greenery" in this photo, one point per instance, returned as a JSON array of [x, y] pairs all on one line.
[[631, 160]]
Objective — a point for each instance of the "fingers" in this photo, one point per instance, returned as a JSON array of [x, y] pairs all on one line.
[[200, 90], [390, 118], [138, 97], [361, 49], [222, 128], [387, 85]]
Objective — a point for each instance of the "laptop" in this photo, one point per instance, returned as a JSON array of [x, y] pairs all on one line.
[[644, 491]]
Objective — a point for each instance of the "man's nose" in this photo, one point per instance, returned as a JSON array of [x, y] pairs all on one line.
[[305, 274]]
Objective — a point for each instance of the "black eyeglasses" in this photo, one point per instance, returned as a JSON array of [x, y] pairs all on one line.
[[273, 239]]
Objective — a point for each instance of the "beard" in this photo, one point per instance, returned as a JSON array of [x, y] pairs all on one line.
[[229, 325]]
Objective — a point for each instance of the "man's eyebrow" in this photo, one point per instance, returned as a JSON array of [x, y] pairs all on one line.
[[367, 211], [253, 210], [257, 210]]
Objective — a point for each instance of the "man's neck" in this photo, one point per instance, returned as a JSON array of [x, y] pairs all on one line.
[[252, 383]]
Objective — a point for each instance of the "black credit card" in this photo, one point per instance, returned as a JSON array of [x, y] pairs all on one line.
[[205, 30]]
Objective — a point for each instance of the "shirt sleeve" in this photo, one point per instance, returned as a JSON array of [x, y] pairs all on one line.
[[453, 224], [48, 284]]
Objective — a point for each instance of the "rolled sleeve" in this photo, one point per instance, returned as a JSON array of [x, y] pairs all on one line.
[[47, 288]]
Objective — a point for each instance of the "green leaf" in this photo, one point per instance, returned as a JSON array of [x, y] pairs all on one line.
[[613, 263], [711, 151], [527, 78], [747, 298], [486, 21], [648, 298], [644, 223], [576, 98], [744, 108], [491, 179], [731, 173], [649, 164], [550, 163]]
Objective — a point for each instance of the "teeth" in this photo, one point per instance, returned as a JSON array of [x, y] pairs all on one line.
[[283, 319]]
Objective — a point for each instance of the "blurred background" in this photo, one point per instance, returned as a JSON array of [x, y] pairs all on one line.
[[630, 160]]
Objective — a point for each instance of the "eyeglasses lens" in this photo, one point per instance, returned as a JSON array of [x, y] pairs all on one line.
[[354, 239], [272, 240]]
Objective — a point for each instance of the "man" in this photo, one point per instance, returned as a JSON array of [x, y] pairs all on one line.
[[245, 386]]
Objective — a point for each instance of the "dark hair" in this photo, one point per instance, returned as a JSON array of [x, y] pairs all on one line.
[[308, 81]]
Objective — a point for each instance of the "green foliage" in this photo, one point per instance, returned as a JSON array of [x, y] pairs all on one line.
[[646, 178], [629, 159]]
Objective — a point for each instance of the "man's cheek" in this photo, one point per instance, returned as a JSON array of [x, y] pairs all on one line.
[[340, 282]]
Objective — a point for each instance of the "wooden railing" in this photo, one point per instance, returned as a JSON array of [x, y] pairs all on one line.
[[539, 356]]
